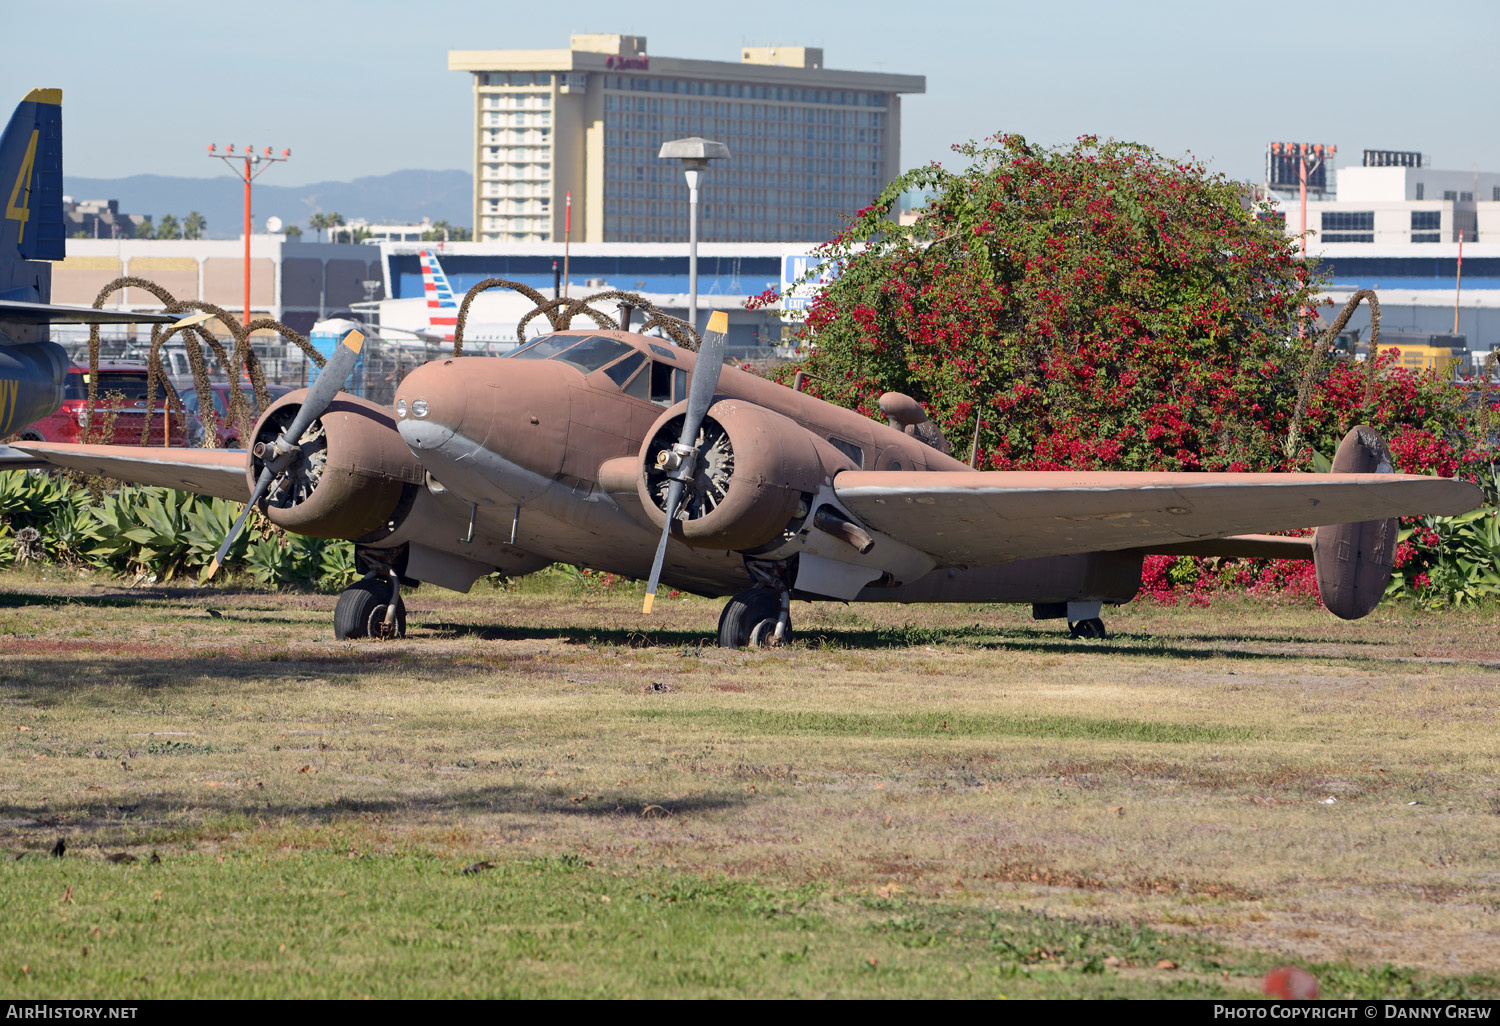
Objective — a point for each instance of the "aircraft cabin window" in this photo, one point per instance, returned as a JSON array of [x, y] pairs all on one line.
[[594, 352], [850, 450], [661, 383], [620, 372], [661, 351], [679, 384]]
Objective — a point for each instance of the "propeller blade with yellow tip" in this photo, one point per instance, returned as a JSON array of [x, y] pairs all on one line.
[[701, 386]]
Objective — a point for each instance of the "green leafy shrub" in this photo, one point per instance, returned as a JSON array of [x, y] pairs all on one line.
[[160, 532]]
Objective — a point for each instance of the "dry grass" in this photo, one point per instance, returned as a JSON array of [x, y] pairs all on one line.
[[1178, 774]]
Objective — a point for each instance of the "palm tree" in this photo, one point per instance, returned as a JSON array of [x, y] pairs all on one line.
[[167, 227], [193, 226], [335, 220], [144, 230], [317, 223]]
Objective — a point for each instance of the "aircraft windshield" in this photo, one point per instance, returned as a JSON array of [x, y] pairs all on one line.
[[543, 348], [594, 352], [588, 354]]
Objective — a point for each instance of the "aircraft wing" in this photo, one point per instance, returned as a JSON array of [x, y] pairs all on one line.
[[975, 518], [42, 313], [218, 472]]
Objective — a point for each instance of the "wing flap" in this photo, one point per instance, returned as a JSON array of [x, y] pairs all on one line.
[[974, 518], [219, 472]]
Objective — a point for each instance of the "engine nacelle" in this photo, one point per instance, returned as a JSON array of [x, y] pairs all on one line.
[[1354, 561], [355, 478], [756, 469]]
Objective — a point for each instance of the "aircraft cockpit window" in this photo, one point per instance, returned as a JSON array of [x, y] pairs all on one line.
[[850, 450], [620, 372], [661, 351], [640, 385], [544, 347], [594, 352]]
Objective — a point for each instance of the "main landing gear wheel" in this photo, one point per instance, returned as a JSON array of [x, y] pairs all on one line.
[[1090, 629], [361, 609], [750, 619]]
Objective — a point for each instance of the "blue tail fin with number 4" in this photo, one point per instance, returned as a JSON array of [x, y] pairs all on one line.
[[31, 179]]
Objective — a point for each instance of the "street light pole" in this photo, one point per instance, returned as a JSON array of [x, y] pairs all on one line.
[[695, 153], [692, 174], [248, 174]]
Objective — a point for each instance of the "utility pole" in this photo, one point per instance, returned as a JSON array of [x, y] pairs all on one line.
[[254, 164], [1458, 286], [567, 239]]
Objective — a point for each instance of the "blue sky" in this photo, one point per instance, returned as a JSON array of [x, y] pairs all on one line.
[[357, 88]]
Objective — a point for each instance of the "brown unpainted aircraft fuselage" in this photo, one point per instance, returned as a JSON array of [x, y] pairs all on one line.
[[549, 450]]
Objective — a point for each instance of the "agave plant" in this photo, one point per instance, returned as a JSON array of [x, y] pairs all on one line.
[[270, 562], [337, 568], [209, 520]]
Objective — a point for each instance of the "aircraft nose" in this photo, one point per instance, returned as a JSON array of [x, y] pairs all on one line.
[[430, 406], [508, 417]]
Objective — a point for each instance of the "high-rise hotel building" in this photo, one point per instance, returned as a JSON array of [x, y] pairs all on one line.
[[807, 144]]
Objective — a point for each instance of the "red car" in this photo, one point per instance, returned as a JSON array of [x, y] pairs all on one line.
[[124, 384], [228, 431]]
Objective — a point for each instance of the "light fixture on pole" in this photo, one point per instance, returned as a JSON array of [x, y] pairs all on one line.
[[695, 153], [1309, 157], [253, 165]]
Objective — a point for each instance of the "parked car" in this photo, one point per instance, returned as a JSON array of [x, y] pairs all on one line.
[[229, 433], [122, 384]]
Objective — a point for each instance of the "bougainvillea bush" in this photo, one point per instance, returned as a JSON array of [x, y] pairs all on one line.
[[1100, 306]]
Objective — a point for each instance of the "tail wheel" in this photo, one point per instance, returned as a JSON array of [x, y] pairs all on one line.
[[750, 618], [361, 610]]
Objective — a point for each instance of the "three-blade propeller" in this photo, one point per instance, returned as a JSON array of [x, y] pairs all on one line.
[[282, 453], [681, 461]]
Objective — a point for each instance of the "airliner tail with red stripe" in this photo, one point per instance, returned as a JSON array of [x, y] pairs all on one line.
[[442, 311]]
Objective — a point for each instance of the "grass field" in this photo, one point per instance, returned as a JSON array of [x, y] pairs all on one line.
[[918, 801]]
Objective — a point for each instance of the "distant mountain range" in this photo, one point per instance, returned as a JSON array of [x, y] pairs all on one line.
[[399, 197]]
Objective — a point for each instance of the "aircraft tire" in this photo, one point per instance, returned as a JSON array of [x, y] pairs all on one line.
[[1090, 629], [360, 612], [744, 612]]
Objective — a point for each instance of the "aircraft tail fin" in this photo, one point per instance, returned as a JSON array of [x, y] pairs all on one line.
[[442, 309], [31, 179]]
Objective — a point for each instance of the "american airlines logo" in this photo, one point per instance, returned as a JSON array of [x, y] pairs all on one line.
[[627, 63]]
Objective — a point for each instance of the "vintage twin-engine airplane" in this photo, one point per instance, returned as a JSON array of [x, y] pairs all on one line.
[[625, 453]]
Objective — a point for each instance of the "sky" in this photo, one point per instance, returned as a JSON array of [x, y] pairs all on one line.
[[361, 88]]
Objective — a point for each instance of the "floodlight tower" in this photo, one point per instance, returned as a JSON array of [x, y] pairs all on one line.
[[1309, 157], [254, 165]]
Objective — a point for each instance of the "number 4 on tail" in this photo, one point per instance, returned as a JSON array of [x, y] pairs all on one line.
[[22, 190]]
